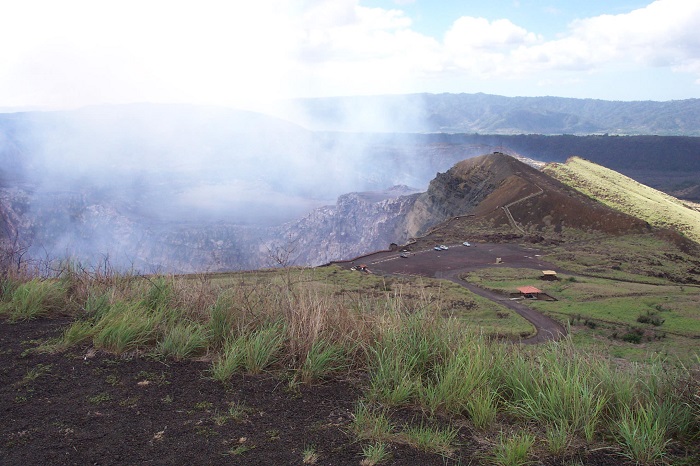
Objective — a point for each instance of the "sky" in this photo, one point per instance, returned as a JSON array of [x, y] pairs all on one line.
[[246, 54]]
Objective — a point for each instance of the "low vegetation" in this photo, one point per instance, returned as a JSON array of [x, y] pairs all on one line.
[[627, 195], [629, 317], [414, 348]]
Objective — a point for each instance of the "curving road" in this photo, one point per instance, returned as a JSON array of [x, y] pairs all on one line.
[[450, 264]]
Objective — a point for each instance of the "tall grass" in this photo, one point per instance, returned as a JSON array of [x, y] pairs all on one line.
[[125, 327], [322, 360], [558, 387], [642, 433], [513, 450], [406, 350], [252, 352], [182, 340], [406, 354], [35, 298]]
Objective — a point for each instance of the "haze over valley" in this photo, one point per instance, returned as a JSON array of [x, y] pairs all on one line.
[[187, 188]]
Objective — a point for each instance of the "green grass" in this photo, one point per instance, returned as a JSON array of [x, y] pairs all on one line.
[[430, 439], [627, 195], [183, 340], [600, 309], [371, 423], [412, 349], [253, 352], [310, 455], [126, 327], [558, 388], [374, 453], [323, 360], [513, 450], [37, 371], [642, 434], [35, 298], [679, 315], [558, 438]]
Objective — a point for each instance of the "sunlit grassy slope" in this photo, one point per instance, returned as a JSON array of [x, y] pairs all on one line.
[[627, 195]]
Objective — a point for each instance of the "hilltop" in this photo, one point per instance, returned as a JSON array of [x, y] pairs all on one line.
[[498, 193]]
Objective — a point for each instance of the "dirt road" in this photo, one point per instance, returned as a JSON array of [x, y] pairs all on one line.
[[458, 259]]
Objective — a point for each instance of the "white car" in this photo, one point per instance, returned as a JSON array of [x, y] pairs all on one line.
[[443, 247], [466, 243], [437, 248]]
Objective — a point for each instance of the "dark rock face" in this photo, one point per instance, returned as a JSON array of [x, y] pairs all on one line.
[[460, 190], [357, 224]]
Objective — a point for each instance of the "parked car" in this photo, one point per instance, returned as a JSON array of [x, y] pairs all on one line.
[[466, 243], [404, 254], [443, 247], [437, 248]]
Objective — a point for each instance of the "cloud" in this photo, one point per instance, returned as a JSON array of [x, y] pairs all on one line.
[[79, 52], [663, 34]]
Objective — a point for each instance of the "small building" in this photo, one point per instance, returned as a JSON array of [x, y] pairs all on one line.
[[549, 275], [529, 292]]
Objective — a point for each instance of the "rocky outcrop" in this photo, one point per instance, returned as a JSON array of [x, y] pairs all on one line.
[[460, 190], [357, 224]]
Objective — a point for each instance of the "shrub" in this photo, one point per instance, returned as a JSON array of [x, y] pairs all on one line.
[[633, 336], [650, 318]]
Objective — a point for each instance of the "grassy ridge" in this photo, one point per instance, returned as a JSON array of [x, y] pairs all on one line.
[[625, 194]]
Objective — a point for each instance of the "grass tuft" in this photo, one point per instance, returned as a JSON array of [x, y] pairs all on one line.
[[323, 359], [183, 340], [35, 298], [430, 439], [375, 453], [513, 450], [642, 434]]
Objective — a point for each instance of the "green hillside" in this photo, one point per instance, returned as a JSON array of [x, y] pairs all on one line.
[[627, 195]]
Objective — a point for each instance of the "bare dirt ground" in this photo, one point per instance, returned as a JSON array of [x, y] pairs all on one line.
[[458, 259], [82, 408], [87, 408]]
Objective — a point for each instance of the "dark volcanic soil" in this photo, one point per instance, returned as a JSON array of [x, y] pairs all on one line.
[[80, 408], [86, 408]]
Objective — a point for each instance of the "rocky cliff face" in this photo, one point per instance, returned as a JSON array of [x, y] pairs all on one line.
[[69, 225], [357, 224], [460, 190]]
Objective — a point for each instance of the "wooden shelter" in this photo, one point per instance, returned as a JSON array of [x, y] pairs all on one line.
[[529, 292], [549, 275]]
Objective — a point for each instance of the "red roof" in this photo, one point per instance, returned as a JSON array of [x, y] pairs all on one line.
[[528, 290]]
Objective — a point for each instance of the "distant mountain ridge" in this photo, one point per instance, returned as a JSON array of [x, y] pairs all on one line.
[[493, 114]]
